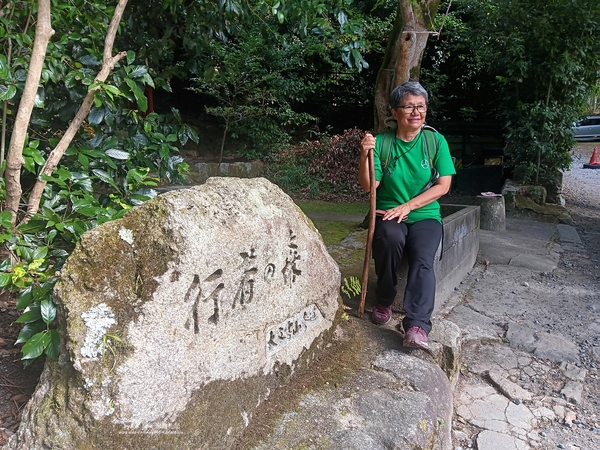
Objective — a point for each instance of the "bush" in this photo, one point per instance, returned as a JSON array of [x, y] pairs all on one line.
[[337, 167], [325, 169]]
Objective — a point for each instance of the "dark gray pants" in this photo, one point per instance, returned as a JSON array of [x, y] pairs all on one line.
[[420, 241]]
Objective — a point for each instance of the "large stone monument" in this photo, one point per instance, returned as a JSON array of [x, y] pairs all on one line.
[[179, 319]]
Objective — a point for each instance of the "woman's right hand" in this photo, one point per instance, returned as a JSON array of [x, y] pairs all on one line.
[[367, 143]]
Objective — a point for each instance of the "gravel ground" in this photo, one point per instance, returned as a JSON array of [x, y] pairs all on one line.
[[566, 304], [582, 196], [571, 310]]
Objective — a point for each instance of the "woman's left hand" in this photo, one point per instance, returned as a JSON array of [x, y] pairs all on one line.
[[399, 213]]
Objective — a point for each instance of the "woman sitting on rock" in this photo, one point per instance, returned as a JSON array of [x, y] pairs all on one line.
[[408, 215]]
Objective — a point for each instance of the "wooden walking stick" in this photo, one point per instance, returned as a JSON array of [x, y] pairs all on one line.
[[367, 262]]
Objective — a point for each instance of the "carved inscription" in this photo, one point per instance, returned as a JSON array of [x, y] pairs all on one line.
[[283, 334], [195, 292], [245, 292], [290, 270], [269, 272]]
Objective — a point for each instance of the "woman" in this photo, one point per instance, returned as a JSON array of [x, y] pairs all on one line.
[[408, 220]]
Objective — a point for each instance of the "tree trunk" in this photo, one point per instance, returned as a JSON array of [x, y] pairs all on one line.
[[223, 140], [402, 60], [14, 157], [108, 65]]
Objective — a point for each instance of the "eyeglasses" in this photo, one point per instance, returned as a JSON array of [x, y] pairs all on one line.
[[409, 109]]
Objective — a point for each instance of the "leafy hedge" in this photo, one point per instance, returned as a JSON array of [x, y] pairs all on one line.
[[324, 169]]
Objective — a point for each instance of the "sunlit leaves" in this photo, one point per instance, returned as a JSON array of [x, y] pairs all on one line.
[[7, 92], [118, 154], [47, 310]]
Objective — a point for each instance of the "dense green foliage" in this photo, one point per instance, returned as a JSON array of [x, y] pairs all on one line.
[[545, 56], [530, 64], [255, 84]]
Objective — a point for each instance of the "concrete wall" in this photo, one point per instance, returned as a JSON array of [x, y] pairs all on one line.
[[460, 247]]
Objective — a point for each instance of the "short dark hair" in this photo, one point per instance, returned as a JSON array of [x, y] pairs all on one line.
[[410, 87]]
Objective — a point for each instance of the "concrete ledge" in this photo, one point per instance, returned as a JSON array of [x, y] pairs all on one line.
[[459, 252], [201, 171]]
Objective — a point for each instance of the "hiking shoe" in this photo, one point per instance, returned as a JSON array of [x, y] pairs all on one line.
[[381, 314], [416, 337]]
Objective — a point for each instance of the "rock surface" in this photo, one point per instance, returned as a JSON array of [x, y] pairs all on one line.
[[181, 318]]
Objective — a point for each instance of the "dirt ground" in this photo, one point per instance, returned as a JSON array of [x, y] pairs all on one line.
[[583, 203], [16, 384]]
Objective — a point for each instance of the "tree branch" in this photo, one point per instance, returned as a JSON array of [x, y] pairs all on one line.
[[108, 65], [14, 159]]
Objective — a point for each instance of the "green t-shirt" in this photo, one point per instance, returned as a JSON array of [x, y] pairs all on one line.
[[410, 172]]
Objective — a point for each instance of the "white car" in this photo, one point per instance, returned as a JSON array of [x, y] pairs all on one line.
[[587, 129]]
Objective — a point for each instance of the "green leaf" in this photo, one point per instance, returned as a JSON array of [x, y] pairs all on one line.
[[40, 293], [35, 345], [48, 310], [104, 176], [130, 56], [115, 153], [140, 98], [89, 60], [38, 101], [50, 179], [177, 115], [5, 279], [85, 184], [112, 90], [137, 199], [29, 164], [29, 330], [138, 72], [40, 253], [33, 226], [63, 174], [83, 160], [5, 219], [30, 316], [4, 69], [25, 252], [96, 115], [5, 265], [53, 348], [7, 92], [25, 298], [32, 152]]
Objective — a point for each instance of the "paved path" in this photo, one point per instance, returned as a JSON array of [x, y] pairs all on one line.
[[522, 382]]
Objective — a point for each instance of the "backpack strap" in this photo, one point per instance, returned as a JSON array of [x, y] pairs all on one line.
[[431, 143], [386, 151], [431, 148]]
